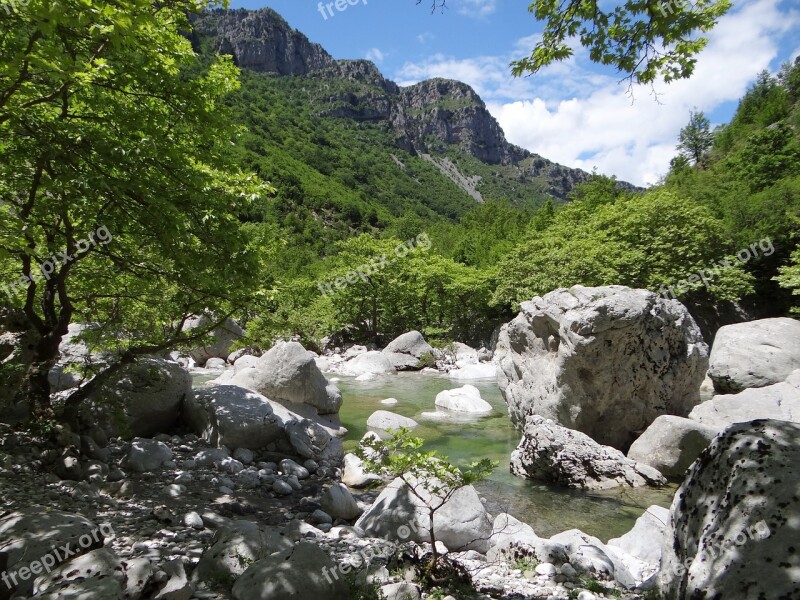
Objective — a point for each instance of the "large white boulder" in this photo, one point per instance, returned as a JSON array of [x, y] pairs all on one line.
[[555, 454], [311, 440], [383, 420], [373, 362], [671, 444], [646, 539], [513, 540], [464, 399], [339, 503], [405, 351], [590, 357], [474, 372], [144, 455], [222, 339], [140, 400], [354, 475], [288, 373], [779, 401], [754, 354], [232, 416], [399, 515], [735, 521]]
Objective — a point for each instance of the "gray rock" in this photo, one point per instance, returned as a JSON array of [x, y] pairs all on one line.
[[466, 399], [212, 457], [644, 541], [405, 351], [141, 400], [177, 586], [222, 339], [754, 354], [671, 444], [372, 363], [282, 488], [354, 475], [383, 420], [305, 571], [555, 454], [338, 502], [512, 540], [474, 372], [310, 440], [244, 455], [100, 563], [145, 455], [233, 416], [586, 357], [289, 467], [216, 364], [193, 520], [735, 516], [398, 515], [401, 591], [780, 401], [288, 373]]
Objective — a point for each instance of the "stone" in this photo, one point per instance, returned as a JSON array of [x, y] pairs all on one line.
[[243, 455], [780, 401], [305, 571], [464, 399], [288, 374], [646, 538], [735, 518], [145, 455], [177, 586], [338, 502], [31, 535], [586, 357], [141, 400], [354, 474], [401, 591], [216, 364], [389, 401], [383, 420], [511, 540], [398, 515], [671, 444], [555, 454], [212, 457], [310, 440], [245, 362], [230, 415], [99, 563], [372, 362], [222, 338], [474, 372], [754, 354], [289, 467], [282, 488], [406, 350], [193, 520]]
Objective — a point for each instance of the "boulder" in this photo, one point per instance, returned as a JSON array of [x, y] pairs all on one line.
[[464, 399], [222, 339], [754, 354], [354, 475], [339, 503], [145, 455], [587, 357], [305, 571], [734, 523], [780, 401], [141, 400], [310, 440], [473, 372], [671, 444], [399, 515], [232, 416], [100, 563], [383, 420], [555, 454], [513, 540], [401, 591], [31, 535], [646, 538], [372, 362], [288, 373], [405, 351]]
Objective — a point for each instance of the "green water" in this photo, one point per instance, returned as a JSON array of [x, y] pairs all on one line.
[[547, 509]]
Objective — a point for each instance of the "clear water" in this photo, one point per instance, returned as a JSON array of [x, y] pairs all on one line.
[[548, 509]]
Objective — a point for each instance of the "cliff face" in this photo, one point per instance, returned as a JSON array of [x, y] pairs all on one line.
[[428, 119]]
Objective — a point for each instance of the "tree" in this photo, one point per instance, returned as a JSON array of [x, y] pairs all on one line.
[[109, 123], [696, 139], [431, 479], [643, 39]]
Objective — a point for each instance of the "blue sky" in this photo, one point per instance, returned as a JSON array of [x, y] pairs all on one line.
[[575, 113]]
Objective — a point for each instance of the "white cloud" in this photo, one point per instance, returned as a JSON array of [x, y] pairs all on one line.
[[375, 55], [568, 113], [424, 38], [477, 8]]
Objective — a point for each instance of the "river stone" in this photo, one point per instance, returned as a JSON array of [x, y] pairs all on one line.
[[513, 540], [464, 399], [289, 467], [354, 474], [373, 362], [780, 401], [733, 525], [100, 563], [645, 539], [288, 373], [311, 440], [405, 351], [671, 444], [588, 357], [338, 502], [383, 420], [555, 454], [30, 534], [472, 372], [141, 400], [401, 591], [248, 361], [305, 571], [754, 354], [145, 455], [222, 339], [230, 415], [398, 515]]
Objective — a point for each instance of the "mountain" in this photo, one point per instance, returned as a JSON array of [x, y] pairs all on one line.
[[443, 122]]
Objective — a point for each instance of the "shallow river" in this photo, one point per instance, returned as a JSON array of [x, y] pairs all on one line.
[[547, 509]]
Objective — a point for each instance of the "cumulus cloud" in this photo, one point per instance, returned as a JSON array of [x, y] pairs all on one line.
[[375, 55], [477, 8], [583, 118]]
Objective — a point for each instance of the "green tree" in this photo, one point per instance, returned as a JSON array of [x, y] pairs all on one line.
[[431, 479], [696, 139], [110, 122]]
